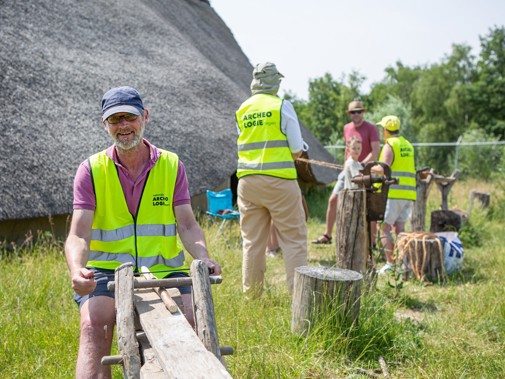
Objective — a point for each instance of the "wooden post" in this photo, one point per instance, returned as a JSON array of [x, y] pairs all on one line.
[[423, 186], [483, 198], [325, 292], [445, 184], [422, 254], [125, 323], [447, 220], [203, 305], [351, 236]]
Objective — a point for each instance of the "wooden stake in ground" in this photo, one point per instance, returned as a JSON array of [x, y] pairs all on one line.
[[351, 236], [423, 186], [483, 198], [321, 292]]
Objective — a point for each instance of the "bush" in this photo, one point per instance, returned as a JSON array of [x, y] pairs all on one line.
[[480, 161]]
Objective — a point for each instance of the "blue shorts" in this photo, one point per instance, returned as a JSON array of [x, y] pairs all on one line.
[[105, 276]]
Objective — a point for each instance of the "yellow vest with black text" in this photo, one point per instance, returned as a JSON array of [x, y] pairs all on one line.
[[150, 238], [262, 146], [403, 168]]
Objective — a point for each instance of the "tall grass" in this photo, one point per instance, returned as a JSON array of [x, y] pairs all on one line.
[[450, 330]]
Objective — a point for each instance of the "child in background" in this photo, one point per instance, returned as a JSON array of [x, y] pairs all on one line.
[[352, 166]]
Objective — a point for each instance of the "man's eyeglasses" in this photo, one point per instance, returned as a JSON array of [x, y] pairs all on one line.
[[356, 112], [114, 119]]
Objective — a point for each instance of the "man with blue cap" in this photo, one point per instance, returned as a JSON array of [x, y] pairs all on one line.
[[131, 203]]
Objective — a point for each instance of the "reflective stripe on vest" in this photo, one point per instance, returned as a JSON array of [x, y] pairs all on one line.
[[149, 240], [262, 147], [119, 259], [403, 168]]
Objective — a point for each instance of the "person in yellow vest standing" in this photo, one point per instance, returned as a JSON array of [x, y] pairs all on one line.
[[131, 202], [269, 140], [398, 153]]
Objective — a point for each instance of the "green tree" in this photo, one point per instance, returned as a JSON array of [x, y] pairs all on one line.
[[324, 111], [480, 161], [395, 106], [399, 82], [488, 92], [440, 104], [324, 103]]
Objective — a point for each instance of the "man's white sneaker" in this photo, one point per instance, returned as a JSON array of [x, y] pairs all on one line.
[[387, 267]]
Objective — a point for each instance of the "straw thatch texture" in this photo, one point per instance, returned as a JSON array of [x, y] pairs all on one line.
[[57, 58]]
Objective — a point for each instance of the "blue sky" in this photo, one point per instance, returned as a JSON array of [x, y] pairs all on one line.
[[306, 39]]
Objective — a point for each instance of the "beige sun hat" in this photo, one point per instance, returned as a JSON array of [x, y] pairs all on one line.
[[266, 79], [355, 105]]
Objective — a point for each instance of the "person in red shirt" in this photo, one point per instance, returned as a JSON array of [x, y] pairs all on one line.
[[370, 142]]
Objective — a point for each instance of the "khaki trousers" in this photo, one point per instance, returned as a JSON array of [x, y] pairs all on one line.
[[262, 199]]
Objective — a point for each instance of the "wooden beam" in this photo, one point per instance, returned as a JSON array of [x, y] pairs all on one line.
[[178, 349], [165, 283], [125, 323], [206, 327]]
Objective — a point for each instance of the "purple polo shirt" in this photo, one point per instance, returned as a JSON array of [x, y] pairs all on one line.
[[84, 195]]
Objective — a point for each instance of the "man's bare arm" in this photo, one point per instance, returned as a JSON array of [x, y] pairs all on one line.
[[77, 251], [374, 154], [192, 237]]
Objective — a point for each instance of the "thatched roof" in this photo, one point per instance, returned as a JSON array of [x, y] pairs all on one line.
[[57, 58]]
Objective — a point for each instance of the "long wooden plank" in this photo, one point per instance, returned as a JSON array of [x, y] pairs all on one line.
[[151, 368], [180, 352]]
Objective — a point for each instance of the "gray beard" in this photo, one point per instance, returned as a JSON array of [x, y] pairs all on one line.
[[130, 145]]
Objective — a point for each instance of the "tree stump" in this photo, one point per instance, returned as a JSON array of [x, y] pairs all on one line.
[[423, 255], [351, 236], [423, 186], [322, 293], [483, 198], [446, 221]]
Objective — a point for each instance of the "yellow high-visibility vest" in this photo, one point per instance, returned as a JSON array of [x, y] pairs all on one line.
[[403, 168], [148, 240], [262, 146]]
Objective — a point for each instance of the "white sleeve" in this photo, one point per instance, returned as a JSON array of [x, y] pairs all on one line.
[[291, 128], [351, 169]]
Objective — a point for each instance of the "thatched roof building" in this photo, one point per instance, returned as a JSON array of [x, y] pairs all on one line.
[[57, 58]]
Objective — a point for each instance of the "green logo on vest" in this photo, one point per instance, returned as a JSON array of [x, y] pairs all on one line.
[[160, 199], [406, 151], [255, 119]]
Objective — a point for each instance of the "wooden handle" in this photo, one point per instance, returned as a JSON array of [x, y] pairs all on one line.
[[170, 303]]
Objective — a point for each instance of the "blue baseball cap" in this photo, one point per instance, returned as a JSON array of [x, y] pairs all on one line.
[[121, 99]]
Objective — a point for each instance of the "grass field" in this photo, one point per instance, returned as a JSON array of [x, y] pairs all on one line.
[[450, 330]]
